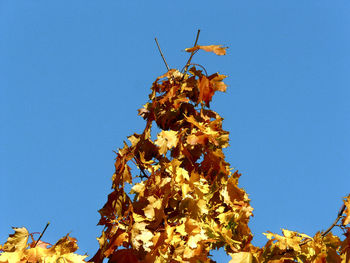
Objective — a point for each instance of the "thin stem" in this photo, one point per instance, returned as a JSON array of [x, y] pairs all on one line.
[[340, 213], [192, 53], [42, 233], [161, 53], [142, 169]]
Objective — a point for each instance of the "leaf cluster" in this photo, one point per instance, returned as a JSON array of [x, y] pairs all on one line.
[[17, 249], [185, 200]]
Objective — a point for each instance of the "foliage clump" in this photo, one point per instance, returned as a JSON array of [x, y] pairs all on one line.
[[17, 249], [185, 200]]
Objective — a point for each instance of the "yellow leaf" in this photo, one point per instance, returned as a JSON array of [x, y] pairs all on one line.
[[12, 257], [180, 173], [220, 209], [181, 230], [193, 240], [134, 139], [138, 218], [166, 140], [141, 236], [16, 241], [154, 203], [202, 205], [71, 258], [241, 257], [185, 189], [138, 187], [102, 239]]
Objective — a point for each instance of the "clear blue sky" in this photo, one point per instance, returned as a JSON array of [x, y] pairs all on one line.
[[74, 73]]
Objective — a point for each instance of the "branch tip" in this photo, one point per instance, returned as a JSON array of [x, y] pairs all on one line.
[[161, 53]]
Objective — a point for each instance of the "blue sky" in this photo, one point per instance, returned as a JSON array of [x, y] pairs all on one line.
[[74, 73]]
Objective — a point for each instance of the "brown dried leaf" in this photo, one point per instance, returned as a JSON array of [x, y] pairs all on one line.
[[217, 49]]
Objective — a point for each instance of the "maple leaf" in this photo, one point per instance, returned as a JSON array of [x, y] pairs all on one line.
[[217, 49], [16, 250], [141, 236], [166, 140], [16, 241], [217, 82], [118, 239], [206, 91]]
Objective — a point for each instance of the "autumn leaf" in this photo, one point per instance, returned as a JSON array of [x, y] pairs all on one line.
[[18, 250], [17, 241], [198, 138], [12, 257], [241, 257], [206, 92], [154, 204], [217, 82], [141, 236], [187, 200], [346, 219], [217, 49], [184, 199], [166, 140]]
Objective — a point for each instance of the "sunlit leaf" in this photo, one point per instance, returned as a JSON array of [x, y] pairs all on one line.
[[217, 49]]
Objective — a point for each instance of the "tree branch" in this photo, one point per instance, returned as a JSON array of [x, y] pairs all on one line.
[[340, 213], [161, 53], [48, 223], [142, 169], [192, 53]]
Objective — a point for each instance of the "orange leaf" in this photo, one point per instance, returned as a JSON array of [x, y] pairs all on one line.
[[206, 92], [217, 49]]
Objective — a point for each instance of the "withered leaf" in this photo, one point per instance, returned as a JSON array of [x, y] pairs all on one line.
[[16, 241], [16, 250], [217, 49], [187, 200]]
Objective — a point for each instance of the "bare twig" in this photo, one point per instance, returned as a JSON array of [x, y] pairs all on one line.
[[42, 233], [340, 213], [339, 216], [142, 169], [192, 53], [161, 53]]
